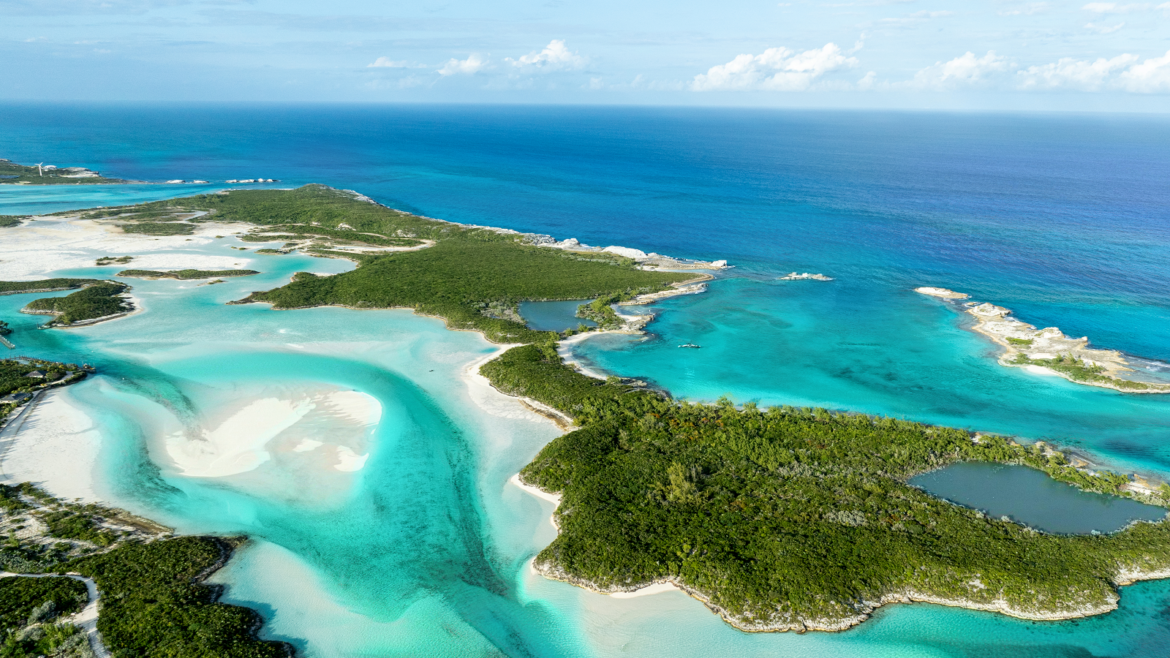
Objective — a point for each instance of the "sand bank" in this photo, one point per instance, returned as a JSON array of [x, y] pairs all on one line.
[[239, 443], [53, 444]]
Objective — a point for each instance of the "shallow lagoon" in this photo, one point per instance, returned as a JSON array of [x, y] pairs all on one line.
[[1029, 496], [554, 316]]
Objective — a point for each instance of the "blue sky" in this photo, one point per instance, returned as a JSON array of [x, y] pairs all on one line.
[[990, 54]]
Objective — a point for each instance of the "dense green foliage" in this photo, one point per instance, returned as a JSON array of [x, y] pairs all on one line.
[[601, 310], [43, 285], [153, 604], [1077, 370], [4, 328], [159, 228], [784, 515], [96, 301], [10, 172], [111, 260], [14, 374], [312, 205], [459, 279], [19, 597], [335, 235], [11, 221], [184, 274]]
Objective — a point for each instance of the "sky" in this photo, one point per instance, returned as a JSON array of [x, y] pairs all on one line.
[[1014, 55]]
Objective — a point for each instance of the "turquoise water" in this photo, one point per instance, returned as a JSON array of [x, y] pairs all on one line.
[[553, 316], [425, 549], [1030, 497]]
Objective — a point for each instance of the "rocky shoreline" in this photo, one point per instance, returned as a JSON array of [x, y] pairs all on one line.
[[1049, 351]]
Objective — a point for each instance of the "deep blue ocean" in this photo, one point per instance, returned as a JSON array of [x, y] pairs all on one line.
[[1065, 219]]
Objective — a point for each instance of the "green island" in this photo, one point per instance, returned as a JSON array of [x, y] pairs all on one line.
[[43, 285], [12, 173], [113, 260], [99, 301], [184, 275], [800, 519], [1076, 369]]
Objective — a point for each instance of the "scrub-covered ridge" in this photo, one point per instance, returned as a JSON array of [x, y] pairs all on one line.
[[800, 519]]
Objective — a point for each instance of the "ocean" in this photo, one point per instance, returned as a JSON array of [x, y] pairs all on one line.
[[1062, 218]]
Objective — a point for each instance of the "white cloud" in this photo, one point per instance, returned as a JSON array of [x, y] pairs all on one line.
[[866, 82], [778, 69], [555, 57], [1104, 29], [387, 63], [1115, 8], [1149, 76], [470, 66], [1029, 9], [1071, 73], [966, 69]]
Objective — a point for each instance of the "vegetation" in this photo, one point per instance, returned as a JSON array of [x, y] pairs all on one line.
[[281, 231], [14, 374], [601, 310], [96, 301], [27, 608], [184, 275], [112, 260], [153, 602], [10, 172], [43, 285], [273, 252], [1077, 370], [1020, 342], [159, 228], [154, 605], [793, 518], [4, 329], [21, 597], [472, 277], [11, 221]]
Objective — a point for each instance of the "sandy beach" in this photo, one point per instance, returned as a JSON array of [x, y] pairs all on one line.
[[54, 445]]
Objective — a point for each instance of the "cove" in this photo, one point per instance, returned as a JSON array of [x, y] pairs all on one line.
[[553, 316], [1031, 497]]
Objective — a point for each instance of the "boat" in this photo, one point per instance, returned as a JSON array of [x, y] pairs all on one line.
[[692, 345]]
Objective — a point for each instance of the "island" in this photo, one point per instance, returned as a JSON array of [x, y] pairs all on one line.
[[800, 519], [1048, 350], [12, 173], [96, 302], [804, 276], [184, 275], [43, 285], [777, 519], [113, 260]]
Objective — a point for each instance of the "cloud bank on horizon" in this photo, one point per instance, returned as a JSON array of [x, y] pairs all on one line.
[[1006, 54]]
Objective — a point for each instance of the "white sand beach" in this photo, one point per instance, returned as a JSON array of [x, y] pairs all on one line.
[[46, 244], [53, 444]]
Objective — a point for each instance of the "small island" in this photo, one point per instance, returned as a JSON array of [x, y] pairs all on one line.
[[804, 276], [43, 285], [12, 173], [113, 260], [1048, 350], [184, 275], [96, 302]]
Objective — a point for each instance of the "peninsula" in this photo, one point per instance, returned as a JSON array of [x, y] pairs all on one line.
[[42, 174], [1049, 350]]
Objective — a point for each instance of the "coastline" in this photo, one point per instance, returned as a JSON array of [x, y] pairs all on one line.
[[1025, 346]]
